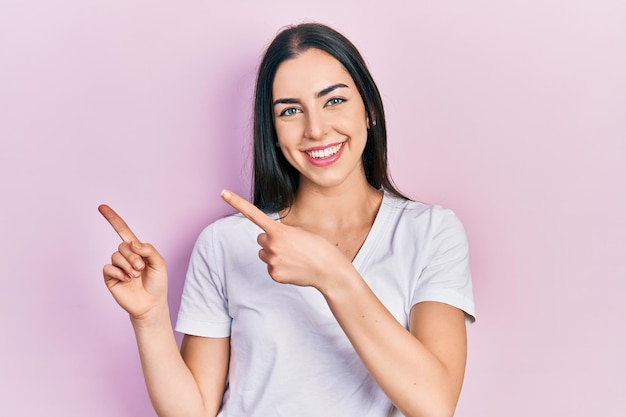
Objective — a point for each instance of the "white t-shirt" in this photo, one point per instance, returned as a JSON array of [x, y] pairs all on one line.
[[289, 357]]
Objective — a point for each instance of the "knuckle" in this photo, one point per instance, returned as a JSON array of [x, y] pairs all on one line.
[[278, 276], [110, 272]]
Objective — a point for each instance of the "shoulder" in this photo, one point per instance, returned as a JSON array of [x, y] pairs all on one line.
[[233, 222], [230, 230], [423, 216]]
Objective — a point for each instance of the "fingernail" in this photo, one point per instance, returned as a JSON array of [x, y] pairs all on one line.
[[225, 194], [138, 265]]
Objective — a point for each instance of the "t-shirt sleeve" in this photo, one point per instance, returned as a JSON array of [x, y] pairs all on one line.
[[446, 277], [204, 304]]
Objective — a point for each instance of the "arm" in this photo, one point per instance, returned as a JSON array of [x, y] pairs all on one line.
[[208, 359], [187, 384], [421, 371]]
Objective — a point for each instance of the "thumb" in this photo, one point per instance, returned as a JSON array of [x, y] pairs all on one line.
[[149, 254]]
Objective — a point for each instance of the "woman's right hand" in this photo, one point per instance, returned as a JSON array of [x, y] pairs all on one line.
[[137, 274]]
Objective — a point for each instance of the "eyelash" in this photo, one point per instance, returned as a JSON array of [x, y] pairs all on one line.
[[290, 111], [336, 100]]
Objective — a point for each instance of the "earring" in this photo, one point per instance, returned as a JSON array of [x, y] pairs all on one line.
[[277, 144], [374, 123]]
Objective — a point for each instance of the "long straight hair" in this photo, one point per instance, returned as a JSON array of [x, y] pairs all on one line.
[[275, 181]]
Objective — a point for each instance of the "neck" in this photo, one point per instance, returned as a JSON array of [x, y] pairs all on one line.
[[335, 207]]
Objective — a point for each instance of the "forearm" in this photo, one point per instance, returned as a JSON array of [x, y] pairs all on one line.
[[414, 378], [170, 383]]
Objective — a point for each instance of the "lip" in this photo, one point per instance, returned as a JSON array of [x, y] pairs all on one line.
[[325, 161]]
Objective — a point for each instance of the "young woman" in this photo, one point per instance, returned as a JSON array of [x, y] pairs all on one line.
[[332, 295]]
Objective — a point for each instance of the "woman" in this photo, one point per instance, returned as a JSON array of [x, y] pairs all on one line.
[[357, 299]]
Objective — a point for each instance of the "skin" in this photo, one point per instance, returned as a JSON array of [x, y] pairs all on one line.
[[186, 383], [421, 369], [317, 104]]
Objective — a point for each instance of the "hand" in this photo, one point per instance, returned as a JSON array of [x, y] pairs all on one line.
[[137, 275], [293, 255]]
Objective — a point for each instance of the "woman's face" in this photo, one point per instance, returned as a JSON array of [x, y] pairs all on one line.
[[320, 120]]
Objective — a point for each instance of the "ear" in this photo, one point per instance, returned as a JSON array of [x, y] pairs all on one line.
[[373, 120]]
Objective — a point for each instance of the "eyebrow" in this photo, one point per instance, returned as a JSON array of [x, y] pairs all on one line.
[[330, 89], [319, 94]]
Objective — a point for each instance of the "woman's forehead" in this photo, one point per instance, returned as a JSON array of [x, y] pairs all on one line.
[[312, 70]]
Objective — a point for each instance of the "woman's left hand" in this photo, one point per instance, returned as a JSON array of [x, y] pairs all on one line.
[[293, 255]]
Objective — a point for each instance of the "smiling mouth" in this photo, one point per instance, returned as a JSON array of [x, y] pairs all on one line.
[[325, 153]]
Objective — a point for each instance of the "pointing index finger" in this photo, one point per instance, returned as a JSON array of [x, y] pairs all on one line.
[[118, 224], [249, 210]]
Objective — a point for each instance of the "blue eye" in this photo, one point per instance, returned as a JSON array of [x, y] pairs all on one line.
[[335, 100], [290, 111]]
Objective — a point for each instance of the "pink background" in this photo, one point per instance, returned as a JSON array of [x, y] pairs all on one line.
[[513, 115]]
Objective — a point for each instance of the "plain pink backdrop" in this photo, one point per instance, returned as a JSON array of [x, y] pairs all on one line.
[[511, 113]]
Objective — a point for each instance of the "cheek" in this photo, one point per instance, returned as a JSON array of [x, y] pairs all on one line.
[[354, 126], [352, 118], [288, 133]]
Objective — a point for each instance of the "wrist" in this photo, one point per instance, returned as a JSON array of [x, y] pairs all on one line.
[[155, 317], [343, 281]]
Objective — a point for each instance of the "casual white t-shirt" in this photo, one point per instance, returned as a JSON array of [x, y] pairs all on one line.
[[289, 357]]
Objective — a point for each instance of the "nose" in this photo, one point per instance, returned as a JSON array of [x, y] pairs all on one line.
[[315, 127]]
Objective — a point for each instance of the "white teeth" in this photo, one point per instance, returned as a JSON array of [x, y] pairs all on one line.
[[325, 153]]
